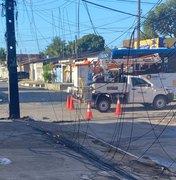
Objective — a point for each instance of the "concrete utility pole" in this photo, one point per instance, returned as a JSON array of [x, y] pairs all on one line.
[[139, 24], [13, 94]]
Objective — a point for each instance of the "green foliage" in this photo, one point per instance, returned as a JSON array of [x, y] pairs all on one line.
[[149, 27], [70, 48], [42, 55], [47, 72], [91, 43], [2, 55], [161, 20], [56, 48], [88, 43]]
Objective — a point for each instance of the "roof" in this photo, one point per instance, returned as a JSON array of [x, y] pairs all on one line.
[[120, 53]]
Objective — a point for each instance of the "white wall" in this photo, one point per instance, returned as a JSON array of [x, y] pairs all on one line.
[[38, 72], [3, 72]]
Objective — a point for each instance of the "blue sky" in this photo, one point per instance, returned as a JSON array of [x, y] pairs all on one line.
[[40, 20]]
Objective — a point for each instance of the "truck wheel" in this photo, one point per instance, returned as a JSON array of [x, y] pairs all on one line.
[[159, 102], [103, 104]]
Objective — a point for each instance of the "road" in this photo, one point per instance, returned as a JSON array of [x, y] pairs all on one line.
[[144, 133]]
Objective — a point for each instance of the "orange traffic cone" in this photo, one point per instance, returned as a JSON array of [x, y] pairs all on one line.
[[118, 108], [89, 112], [71, 105], [68, 102]]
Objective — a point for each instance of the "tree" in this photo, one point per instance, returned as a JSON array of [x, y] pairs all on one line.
[[161, 20], [2, 55], [149, 27], [70, 48], [48, 73], [88, 43], [56, 48], [91, 43]]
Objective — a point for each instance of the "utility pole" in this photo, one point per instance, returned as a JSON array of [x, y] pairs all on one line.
[[139, 24], [13, 93], [76, 46]]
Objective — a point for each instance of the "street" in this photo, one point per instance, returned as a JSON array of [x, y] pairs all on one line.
[[88, 90], [141, 133]]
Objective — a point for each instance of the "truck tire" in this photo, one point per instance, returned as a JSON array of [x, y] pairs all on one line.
[[103, 104], [159, 102]]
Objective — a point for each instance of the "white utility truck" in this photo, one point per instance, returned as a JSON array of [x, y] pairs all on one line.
[[108, 85]]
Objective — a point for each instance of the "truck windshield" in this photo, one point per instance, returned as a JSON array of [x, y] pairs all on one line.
[[139, 82]]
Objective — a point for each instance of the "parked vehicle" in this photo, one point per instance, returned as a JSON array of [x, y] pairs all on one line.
[[23, 75], [158, 65], [109, 84]]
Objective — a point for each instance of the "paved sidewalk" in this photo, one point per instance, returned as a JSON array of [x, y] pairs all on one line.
[[29, 154], [33, 150]]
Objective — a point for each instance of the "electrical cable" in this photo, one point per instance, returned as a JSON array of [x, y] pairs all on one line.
[[161, 145], [78, 131], [110, 8], [130, 1]]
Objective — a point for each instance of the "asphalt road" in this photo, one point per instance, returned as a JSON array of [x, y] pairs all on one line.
[[143, 133]]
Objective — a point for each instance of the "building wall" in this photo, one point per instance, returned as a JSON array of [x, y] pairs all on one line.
[[38, 71], [152, 43], [58, 75], [149, 43], [26, 67], [31, 72], [3, 72]]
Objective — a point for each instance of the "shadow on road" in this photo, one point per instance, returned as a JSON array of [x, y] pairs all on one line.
[[29, 95], [139, 107]]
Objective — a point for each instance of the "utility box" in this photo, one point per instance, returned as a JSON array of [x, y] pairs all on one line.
[[80, 74]]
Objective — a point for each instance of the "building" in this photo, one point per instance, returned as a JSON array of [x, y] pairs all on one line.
[[34, 63], [151, 43]]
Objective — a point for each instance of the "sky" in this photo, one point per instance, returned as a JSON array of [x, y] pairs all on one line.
[[39, 21]]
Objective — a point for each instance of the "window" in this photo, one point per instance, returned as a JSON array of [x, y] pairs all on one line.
[[139, 82]]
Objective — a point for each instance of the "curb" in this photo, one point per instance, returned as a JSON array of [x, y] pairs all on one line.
[[54, 87]]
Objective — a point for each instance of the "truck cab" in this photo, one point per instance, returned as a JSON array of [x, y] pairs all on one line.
[[144, 92]]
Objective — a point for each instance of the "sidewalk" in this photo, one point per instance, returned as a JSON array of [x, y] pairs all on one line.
[[29, 154], [36, 150], [49, 86], [29, 83]]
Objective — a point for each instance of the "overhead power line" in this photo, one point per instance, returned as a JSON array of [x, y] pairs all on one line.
[[130, 1], [122, 12]]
